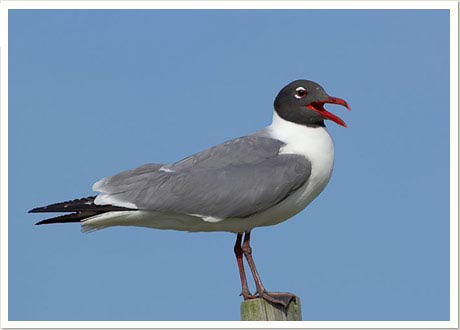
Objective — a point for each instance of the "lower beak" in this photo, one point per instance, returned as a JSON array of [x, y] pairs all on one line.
[[319, 108]]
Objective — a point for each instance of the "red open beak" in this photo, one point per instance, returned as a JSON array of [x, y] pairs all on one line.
[[319, 108]]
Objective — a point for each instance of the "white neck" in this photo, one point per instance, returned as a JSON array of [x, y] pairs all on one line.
[[311, 142]]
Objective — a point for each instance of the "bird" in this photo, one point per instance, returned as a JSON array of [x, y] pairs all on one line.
[[257, 180]]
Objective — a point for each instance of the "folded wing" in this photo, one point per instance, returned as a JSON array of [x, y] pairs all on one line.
[[235, 179]]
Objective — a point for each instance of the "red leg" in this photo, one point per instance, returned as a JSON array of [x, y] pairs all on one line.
[[282, 298], [239, 259], [247, 250]]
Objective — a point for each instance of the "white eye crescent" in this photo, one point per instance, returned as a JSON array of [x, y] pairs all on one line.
[[300, 92]]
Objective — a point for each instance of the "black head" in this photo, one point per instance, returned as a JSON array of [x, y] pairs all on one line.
[[302, 102]]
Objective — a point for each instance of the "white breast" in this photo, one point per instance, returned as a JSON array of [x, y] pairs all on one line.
[[316, 145]]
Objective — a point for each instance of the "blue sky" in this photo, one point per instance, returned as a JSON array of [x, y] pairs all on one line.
[[92, 93]]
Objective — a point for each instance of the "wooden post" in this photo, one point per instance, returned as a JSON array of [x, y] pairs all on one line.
[[261, 310]]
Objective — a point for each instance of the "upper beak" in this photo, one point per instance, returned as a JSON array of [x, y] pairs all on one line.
[[319, 107]]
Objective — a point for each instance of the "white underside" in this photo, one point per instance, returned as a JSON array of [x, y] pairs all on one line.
[[313, 143]]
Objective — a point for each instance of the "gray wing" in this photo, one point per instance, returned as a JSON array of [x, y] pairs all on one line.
[[235, 179]]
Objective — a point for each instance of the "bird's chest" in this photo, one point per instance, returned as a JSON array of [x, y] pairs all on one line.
[[321, 171], [316, 145], [320, 152]]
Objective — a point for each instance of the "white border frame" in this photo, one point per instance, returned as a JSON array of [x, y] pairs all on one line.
[[452, 6]]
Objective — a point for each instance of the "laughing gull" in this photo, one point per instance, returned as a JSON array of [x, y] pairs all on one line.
[[257, 180]]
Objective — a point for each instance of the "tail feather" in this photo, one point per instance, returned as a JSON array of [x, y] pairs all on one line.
[[81, 208]]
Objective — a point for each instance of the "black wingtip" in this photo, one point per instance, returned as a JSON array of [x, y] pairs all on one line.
[[79, 204], [81, 209], [46, 221], [53, 220], [35, 210], [66, 218]]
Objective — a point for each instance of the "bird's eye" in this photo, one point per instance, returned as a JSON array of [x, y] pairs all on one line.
[[300, 92]]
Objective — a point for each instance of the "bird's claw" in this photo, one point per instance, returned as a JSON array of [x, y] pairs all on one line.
[[247, 295], [278, 298]]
